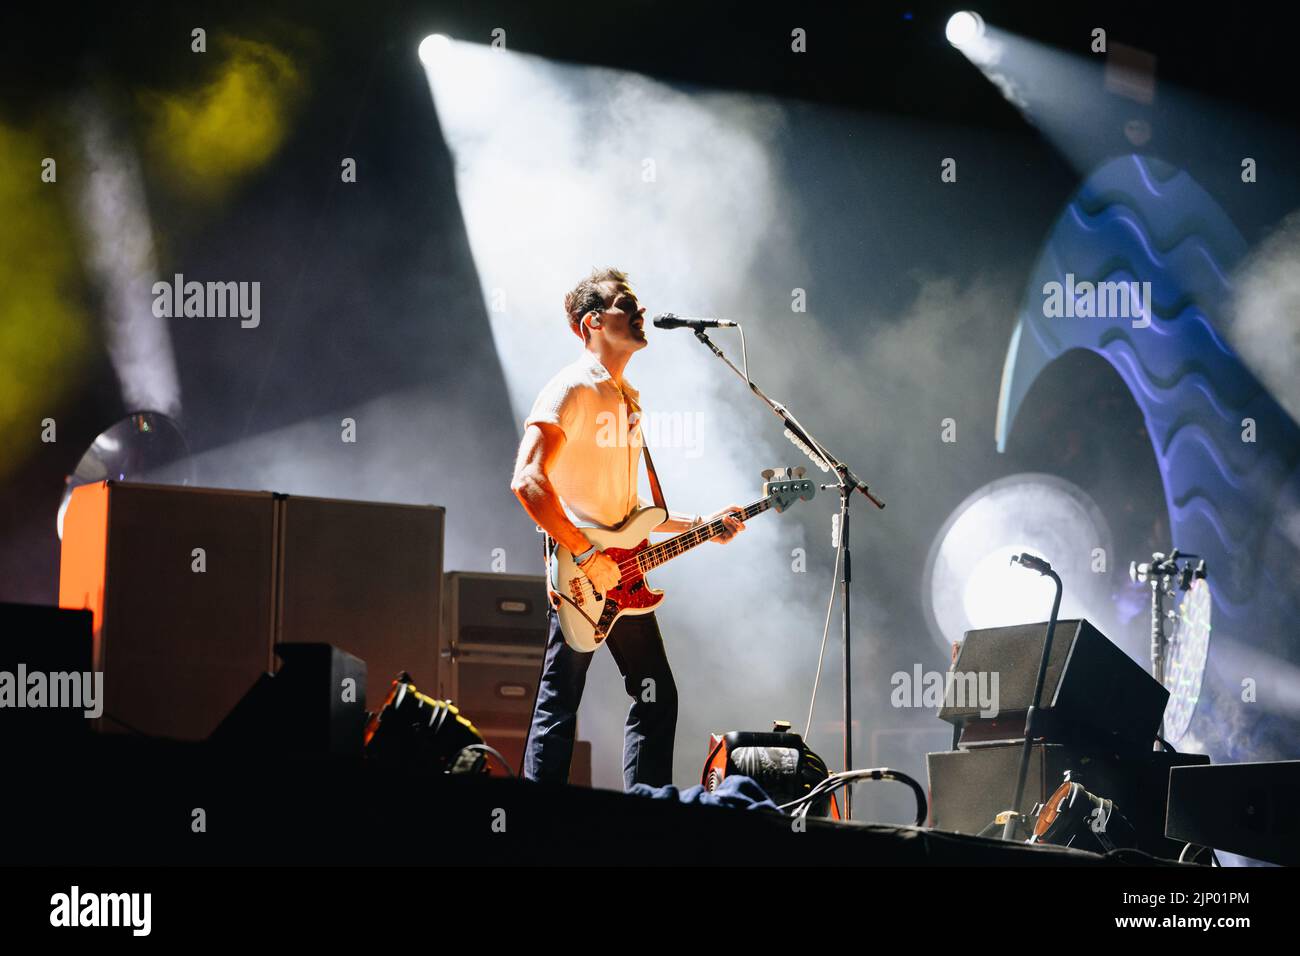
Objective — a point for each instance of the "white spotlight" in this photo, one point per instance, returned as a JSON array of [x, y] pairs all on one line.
[[998, 593], [432, 47], [969, 582], [964, 27]]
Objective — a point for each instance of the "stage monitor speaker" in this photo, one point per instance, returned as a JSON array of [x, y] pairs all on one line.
[[365, 577], [46, 658], [968, 788], [315, 705], [1094, 694], [179, 581], [1244, 808]]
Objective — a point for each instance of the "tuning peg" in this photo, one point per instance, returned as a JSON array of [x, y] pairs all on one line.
[[769, 474], [799, 471]]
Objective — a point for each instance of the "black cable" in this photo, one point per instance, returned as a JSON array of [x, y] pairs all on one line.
[[1200, 852], [1147, 858], [488, 749], [836, 781]]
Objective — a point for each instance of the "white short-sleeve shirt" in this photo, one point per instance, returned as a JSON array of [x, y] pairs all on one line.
[[596, 473]]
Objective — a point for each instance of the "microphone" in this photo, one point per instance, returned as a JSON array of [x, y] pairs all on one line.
[[670, 321], [1032, 562]]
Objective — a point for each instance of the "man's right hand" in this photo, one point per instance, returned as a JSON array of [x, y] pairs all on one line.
[[603, 573]]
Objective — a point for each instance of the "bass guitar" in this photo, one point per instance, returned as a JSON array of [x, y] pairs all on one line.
[[587, 617]]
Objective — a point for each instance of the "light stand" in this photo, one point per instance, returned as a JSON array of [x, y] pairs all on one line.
[[1162, 574], [847, 482]]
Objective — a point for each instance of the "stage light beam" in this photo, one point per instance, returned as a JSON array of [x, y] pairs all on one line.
[[537, 218]]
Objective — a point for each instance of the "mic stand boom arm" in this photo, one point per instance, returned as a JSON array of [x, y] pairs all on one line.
[[844, 473], [848, 483]]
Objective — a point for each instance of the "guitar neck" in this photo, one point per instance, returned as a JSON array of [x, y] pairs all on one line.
[[658, 554]]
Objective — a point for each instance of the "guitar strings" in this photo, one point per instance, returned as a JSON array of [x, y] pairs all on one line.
[[585, 585], [664, 546]]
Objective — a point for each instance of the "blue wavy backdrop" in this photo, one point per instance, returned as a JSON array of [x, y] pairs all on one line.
[[1140, 219]]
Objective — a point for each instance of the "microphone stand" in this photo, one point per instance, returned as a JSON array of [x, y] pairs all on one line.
[[847, 482], [1013, 815]]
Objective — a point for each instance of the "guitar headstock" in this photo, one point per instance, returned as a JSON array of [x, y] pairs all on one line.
[[785, 486]]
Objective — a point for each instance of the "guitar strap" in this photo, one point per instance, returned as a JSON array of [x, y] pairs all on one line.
[[656, 492]]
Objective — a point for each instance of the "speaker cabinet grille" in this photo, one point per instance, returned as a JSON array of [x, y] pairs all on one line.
[[180, 637], [365, 577]]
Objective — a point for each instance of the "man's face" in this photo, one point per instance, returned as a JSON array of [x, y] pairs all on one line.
[[623, 319]]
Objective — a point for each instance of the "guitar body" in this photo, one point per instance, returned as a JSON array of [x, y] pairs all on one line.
[[586, 618]]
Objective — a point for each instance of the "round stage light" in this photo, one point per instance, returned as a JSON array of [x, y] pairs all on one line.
[[998, 592], [433, 46], [970, 582], [142, 446], [964, 26]]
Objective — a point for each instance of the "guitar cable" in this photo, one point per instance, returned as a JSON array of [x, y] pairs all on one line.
[[489, 750], [826, 630], [835, 781]]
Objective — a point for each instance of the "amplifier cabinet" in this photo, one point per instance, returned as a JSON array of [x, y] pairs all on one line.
[[968, 788], [491, 648], [180, 582], [191, 588], [365, 577]]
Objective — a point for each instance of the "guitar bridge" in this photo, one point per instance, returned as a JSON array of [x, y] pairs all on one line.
[[575, 591]]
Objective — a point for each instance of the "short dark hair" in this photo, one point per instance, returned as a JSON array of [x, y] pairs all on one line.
[[588, 297]]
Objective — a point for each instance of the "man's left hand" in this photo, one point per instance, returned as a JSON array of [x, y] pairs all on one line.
[[731, 520]]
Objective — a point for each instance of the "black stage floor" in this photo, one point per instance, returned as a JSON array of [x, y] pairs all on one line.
[[117, 800]]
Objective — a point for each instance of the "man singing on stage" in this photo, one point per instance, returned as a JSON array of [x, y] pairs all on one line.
[[568, 469]]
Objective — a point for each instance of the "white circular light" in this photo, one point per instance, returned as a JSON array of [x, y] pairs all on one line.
[[998, 592], [433, 46], [970, 582], [964, 26]]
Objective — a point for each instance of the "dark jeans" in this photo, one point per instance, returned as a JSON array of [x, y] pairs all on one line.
[[648, 737]]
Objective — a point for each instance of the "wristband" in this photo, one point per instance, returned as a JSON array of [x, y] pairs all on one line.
[[581, 559]]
